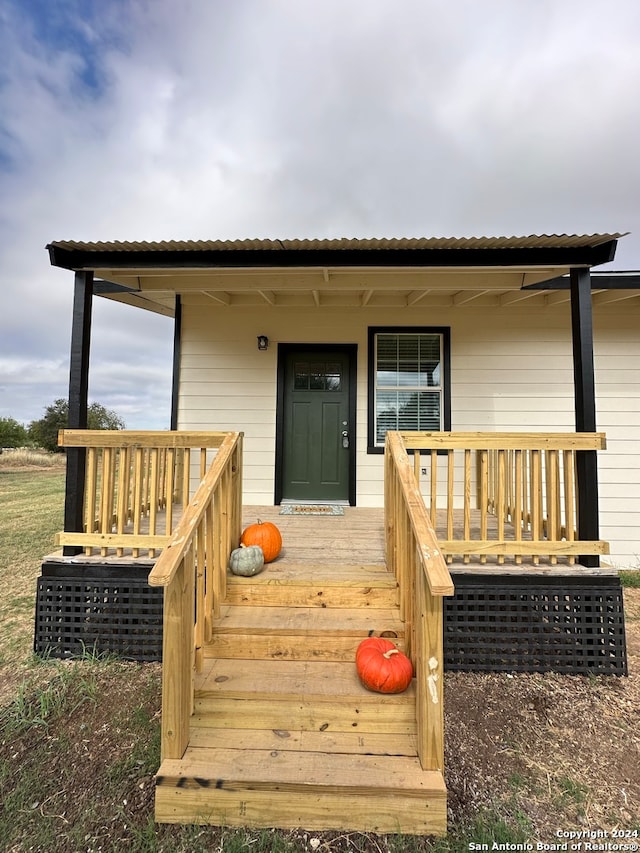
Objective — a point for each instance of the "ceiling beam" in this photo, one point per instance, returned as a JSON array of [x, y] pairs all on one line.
[[610, 296], [416, 296], [462, 297], [219, 296]]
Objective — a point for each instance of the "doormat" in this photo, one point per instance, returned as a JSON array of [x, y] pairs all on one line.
[[311, 509]]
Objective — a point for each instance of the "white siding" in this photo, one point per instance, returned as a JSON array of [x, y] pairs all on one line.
[[512, 369]]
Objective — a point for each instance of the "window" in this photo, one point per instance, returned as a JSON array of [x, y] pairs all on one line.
[[409, 386], [317, 376]]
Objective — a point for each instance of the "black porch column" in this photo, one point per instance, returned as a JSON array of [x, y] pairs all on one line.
[[78, 393], [585, 407], [177, 345]]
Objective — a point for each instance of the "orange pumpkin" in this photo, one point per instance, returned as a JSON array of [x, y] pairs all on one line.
[[382, 667], [266, 535]]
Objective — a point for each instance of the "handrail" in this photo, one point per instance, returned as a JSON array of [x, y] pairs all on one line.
[[136, 483], [413, 553], [192, 570], [517, 498]]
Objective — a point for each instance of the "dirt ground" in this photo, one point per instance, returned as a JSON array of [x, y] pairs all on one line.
[[555, 748]]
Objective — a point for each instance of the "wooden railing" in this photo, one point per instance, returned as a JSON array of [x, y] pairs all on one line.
[[136, 484], [497, 495], [192, 570], [413, 554]]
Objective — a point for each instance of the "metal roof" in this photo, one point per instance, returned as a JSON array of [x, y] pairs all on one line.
[[532, 241]]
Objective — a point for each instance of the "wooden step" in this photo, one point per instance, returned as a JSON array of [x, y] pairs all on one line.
[[300, 633], [321, 586], [287, 789], [297, 696], [352, 742]]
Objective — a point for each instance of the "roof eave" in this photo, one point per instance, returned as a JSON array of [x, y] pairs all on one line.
[[569, 256]]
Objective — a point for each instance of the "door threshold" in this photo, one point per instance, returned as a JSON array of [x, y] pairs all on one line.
[[294, 502]]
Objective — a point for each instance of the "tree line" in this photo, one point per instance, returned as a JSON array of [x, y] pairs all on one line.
[[44, 432]]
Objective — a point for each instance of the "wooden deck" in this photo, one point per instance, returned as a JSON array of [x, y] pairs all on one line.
[[357, 537]]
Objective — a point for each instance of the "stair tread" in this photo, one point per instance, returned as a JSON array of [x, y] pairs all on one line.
[[296, 740], [253, 769], [310, 620], [324, 681], [305, 574]]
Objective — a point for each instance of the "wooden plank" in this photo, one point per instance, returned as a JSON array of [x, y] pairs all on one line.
[[274, 646], [140, 438], [307, 714], [322, 594], [323, 681], [504, 440], [112, 540], [571, 570], [297, 772], [426, 815], [534, 547], [328, 741], [312, 621]]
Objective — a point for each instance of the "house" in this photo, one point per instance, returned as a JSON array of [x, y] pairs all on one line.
[[496, 369]]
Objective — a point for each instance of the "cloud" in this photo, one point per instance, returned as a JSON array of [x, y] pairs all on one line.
[[125, 120]]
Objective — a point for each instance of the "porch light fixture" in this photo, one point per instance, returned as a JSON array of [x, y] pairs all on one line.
[[263, 342]]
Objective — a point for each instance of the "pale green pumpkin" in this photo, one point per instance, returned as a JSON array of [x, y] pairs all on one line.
[[247, 560]]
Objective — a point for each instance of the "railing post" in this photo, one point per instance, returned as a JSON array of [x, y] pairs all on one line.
[[430, 667], [177, 658], [585, 408], [78, 392]]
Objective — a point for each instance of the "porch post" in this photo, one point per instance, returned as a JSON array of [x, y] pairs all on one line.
[[78, 394], [585, 408], [177, 346]]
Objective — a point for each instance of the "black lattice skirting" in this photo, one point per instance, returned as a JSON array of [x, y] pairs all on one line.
[[493, 623], [536, 624], [98, 609]]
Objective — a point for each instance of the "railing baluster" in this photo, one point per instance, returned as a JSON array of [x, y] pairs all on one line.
[[122, 509], [169, 475], [466, 534], [200, 595], [91, 518], [434, 489], [484, 498], [450, 487], [501, 500], [186, 478], [569, 499], [517, 511]]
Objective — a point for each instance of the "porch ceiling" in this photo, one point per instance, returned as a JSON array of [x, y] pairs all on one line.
[[449, 272]]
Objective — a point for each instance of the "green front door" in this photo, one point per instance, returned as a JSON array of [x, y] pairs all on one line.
[[316, 430]]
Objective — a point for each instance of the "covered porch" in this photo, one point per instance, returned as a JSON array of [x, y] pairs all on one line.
[[264, 722]]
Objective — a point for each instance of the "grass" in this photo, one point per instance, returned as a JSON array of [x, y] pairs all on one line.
[[630, 578], [25, 457], [31, 509]]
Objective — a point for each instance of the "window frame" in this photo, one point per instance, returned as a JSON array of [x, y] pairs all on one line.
[[373, 331]]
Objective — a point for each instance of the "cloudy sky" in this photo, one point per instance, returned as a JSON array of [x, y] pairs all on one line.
[[203, 119]]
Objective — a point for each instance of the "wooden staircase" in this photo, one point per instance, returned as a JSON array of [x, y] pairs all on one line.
[[283, 734]]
